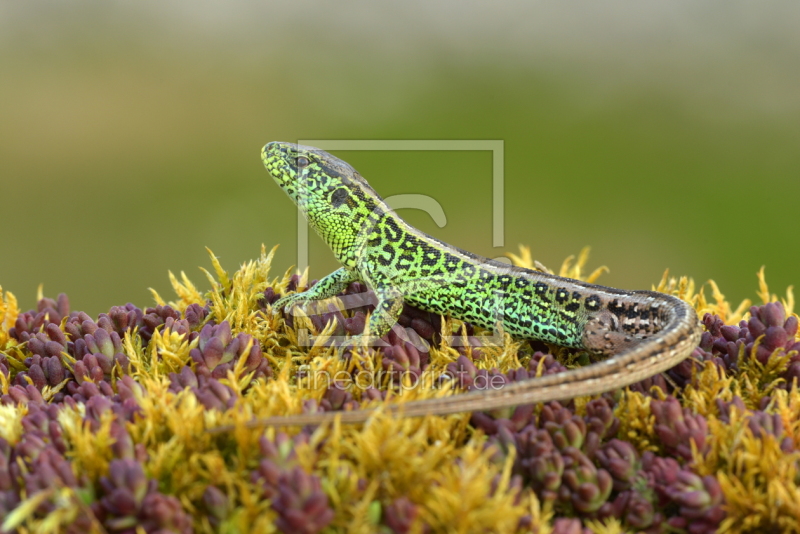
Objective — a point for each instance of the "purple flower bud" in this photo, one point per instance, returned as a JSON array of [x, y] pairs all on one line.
[[121, 319], [6, 480], [301, 504], [564, 525], [676, 427], [400, 515], [585, 486], [635, 509], [155, 318], [164, 513], [23, 395], [123, 446], [36, 374], [121, 502], [790, 326], [196, 314], [213, 352], [775, 336], [52, 348], [601, 423], [216, 502], [539, 460], [355, 325], [54, 370], [423, 328], [292, 284], [36, 346], [55, 334], [730, 333], [566, 428], [267, 476], [47, 469], [269, 297], [215, 395], [127, 474], [128, 388], [336, 397], [62, 305], [185, 379], [30, 446], [89, 327], [619, 458]]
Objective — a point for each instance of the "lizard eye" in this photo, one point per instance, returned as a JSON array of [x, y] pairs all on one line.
[[338, 197], [301, 162]]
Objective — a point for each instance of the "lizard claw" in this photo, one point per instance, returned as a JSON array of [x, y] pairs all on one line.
[[284, 304]]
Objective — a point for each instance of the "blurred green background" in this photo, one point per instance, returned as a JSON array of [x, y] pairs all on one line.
[[661, 134]]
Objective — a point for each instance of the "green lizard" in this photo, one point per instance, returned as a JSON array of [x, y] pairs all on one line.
[[642, 332]]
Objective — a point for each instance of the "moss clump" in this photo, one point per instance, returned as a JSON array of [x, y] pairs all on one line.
[[104, 422]]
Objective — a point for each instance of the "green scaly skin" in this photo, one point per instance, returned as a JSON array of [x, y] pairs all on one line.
[[642, 332]]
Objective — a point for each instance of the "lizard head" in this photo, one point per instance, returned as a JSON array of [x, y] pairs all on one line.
[[335, 199]]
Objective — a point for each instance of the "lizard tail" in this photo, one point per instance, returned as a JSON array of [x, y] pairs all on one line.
[[653, 355]]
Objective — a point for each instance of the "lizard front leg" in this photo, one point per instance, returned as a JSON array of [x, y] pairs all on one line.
[[331, 285], [387, 311]]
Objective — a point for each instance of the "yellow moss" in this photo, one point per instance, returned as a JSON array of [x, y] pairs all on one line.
[[320, 373], [364, 512], [525, 259], [721, 307], [187, 292], [405, 453], [236, 378], [758, 380], [222, 275], [169, 352], [766, 296], [9, 310], [275, 397], [236, 299], [67, 506], [787, 405], [752, 382], [439, 463], [140, 362], [11, 421], [541, 515], [757, 478], [636, 421], [460, 498], [24, 511], [89, 449], [298, 338], [611, 525], [709, 384], [163, 413], [253, 512], [684, 288], [568, 268], [436, 462], [180, 434]]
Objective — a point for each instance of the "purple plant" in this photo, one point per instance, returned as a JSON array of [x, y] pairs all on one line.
[[129, 500], [677, 427], [218, 352]]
